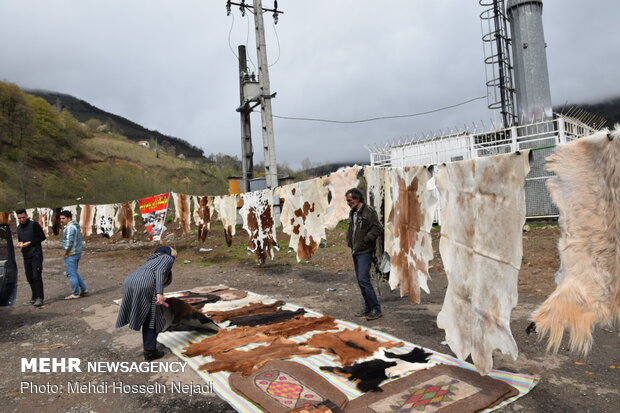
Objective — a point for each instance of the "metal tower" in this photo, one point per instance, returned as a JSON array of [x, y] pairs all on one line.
[[498, 69], [530, 60]]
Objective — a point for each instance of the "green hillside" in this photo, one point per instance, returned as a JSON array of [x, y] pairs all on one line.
[[84, 112], [48, 158]]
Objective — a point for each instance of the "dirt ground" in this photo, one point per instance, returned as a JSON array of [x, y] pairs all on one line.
[[84, 328]]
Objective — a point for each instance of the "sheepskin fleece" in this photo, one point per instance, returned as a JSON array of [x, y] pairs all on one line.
[[586, 190], [482, 215]]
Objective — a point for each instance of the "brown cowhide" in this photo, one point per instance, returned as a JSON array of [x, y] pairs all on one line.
[[350, 345], [203, 209], [56, 227], [301, 325], [258, 221], [182, 211], [5, 218], [586, 190], [251, 360], [250, 309], [87, 217], [303, 215], [125, 219], [226, 340], [411, 250], [482, 217]]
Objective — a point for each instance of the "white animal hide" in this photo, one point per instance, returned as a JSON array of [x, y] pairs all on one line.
[[303, 215], [482, 215], [226, 208], [104, 220], [339, 183]]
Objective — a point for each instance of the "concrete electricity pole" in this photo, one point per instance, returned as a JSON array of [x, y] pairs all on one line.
[[247, 155], [265, 95], [269, 146]]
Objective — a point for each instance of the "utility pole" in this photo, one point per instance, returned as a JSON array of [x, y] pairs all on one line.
[[269, 145], [265, 95], [247, 155]]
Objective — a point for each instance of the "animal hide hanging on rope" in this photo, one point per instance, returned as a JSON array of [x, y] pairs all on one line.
[[586, 190], [203, 210], [104, 220], [226, 208], [303, 215], [87, 218], [45, 219], [338, 183], [5, 218], [125, 218], [258, 221], [413, 209], [482, 217], [182, 211], [56, 226]]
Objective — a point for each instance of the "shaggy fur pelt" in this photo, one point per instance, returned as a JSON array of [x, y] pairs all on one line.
[[367, 375], [181, 315], [586, 189]]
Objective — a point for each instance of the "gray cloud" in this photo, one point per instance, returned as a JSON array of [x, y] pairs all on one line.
[[167, 65]]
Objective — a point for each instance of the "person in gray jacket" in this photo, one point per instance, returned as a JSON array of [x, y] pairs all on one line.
[[364, 229]]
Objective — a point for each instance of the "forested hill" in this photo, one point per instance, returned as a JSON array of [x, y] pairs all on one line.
[[48, 158], [85, 112]]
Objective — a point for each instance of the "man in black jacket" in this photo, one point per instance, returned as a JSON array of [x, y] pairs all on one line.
[[364, 229], [30, 236]]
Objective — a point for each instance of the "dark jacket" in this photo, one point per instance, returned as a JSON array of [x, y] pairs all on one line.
[[31, 231], [368, 230]]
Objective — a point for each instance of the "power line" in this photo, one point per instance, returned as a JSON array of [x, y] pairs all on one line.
[[278, 40], [229, 32], [381, 117]]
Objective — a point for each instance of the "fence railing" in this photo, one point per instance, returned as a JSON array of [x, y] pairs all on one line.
[[541, 137]]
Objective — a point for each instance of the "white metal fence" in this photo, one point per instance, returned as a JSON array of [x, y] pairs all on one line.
[[541, 137]]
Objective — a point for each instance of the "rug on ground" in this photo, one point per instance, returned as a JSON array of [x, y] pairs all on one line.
[[177, 341]]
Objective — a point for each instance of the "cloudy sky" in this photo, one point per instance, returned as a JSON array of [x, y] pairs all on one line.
[[168, 65]]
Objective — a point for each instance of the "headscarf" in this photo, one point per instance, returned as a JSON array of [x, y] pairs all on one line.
[[166, 250]]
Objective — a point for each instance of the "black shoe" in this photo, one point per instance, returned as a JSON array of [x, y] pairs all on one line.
[[38, 302], [150, 355], [374, 314], [31, 302], [362, 313]]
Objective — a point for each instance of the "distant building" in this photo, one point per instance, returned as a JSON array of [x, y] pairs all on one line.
[[146, 144]]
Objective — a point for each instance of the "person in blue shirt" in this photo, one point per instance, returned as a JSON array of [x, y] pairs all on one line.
[[72, 245]]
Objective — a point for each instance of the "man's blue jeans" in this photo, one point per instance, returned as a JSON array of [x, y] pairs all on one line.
[[77, 283], [361, 262]]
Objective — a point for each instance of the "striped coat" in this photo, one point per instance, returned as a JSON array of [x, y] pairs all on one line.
[[139, 290]]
